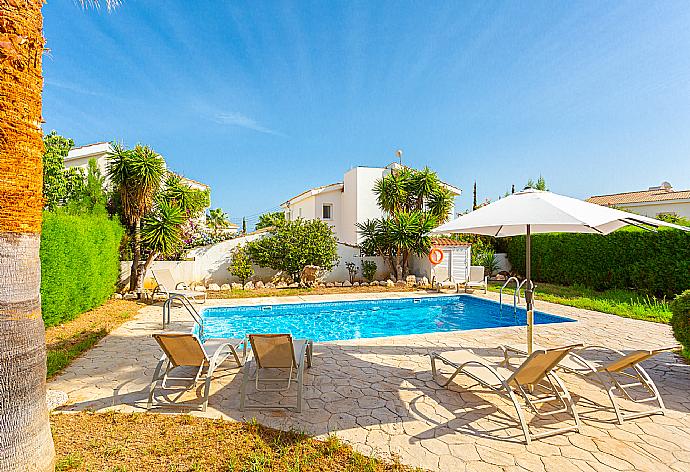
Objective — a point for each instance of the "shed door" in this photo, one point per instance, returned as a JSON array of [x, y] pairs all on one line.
[[458, 265]]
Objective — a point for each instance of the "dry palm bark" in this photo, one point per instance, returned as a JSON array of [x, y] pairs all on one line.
[[25, 440]]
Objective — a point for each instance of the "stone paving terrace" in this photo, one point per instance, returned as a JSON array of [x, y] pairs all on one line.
[[378, 394]]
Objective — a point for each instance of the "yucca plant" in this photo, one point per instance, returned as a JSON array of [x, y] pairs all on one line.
[[137, 175]]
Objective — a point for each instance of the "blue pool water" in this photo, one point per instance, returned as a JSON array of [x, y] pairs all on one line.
[[332, 321]]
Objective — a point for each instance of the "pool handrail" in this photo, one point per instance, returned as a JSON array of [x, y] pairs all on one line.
[[500, 294], [187, 304]]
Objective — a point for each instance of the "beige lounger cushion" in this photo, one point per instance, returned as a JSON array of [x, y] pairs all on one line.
[[276, 350], [184, 349]]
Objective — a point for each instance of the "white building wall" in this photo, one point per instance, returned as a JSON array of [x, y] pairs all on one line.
[[653, 209], [335, 199]]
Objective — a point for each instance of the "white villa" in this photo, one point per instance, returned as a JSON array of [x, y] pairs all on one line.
[[653, 202], [344, 204]]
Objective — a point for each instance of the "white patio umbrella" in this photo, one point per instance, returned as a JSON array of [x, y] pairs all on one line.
[[535, 211]]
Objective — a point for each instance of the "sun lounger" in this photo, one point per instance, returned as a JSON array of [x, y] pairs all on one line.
[[609, 374], [534, 380], [276, 351], [165, 284], [186, 350], [476, 278]]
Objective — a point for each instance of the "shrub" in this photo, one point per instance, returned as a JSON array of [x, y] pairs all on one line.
[[680, 307], [241, 265], [351, 270], [369, 270], [79, 263], [291, 245], [653, 263], [486, 258]]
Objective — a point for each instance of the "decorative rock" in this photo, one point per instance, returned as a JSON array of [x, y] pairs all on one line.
[[249, 285], [390, 283], [309, 275], [401, 283], [259, 284], [374, 283], [294, 285], [364, 284], [500, 277], [269, 285], [411, 280], [226, 287], [130, 296], [338, 284], [424, 281], [330, 285], [322, 285], [236, 286], [214, 287], [356, 284], [347, 283], [117, 295], [199, 288], [281, 284]]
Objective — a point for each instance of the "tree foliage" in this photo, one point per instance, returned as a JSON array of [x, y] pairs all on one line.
[[292, 245], [241, 264], [217, 220], [540, 184], [59, 184], [270, 219], [413, 202]]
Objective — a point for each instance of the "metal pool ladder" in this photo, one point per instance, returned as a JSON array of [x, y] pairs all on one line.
[[517, 292], [187, 304]]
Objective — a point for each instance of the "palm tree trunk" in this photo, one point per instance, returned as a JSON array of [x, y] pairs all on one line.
[[136, 257], [25, 440]]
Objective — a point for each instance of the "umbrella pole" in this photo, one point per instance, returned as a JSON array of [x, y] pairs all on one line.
[[528, 289]]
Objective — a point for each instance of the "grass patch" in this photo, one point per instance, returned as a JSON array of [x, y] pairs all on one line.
[[625, 303], [140, 442], [284, 292], [69, 340]]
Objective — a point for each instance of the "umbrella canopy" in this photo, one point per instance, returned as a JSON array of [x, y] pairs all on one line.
[[536, 211], [545, 212]]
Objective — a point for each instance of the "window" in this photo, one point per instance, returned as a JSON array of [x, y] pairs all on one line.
[[327, 211]]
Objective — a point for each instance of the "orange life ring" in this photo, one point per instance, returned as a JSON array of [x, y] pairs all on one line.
[[435, 256]]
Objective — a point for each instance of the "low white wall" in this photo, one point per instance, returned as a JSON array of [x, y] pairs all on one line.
[[183, 271], [209, 264], [501, 259], [212, 261]]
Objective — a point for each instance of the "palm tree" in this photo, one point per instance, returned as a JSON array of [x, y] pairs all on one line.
[[25, 443], [137, 175], [217, 220], [413, 202]]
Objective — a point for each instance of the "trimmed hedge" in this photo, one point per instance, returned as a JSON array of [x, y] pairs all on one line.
[[79, 263], [680, 307], [653, 263]]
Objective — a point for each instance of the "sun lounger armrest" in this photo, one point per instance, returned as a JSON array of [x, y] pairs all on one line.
[[600, 348], [182, 285]]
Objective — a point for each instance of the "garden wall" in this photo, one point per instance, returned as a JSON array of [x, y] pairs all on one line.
[[654, 263], [79, 263]]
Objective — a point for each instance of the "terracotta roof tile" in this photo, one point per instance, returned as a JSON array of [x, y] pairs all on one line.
[[655, 195], [448, 242]]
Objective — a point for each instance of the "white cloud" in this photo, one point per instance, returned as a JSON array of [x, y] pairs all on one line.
[[236, 118]]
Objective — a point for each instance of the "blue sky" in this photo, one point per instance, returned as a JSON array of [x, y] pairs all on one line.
[[262, 100]]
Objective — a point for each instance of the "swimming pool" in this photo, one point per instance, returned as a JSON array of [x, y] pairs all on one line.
[[331, 321]]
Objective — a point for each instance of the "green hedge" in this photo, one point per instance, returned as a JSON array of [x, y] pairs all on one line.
[[653, 263], [680, 307], [79, 263]]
